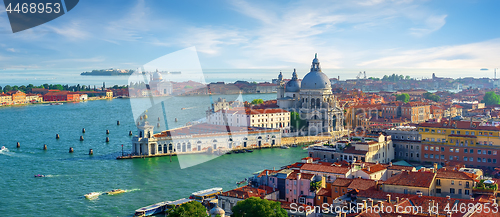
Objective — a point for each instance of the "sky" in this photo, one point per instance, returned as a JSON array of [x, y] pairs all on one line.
[[238, 34]]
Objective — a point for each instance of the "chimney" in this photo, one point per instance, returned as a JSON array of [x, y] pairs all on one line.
[[419, 194], [448, 197], [364, 205], [379, 204], [448, 214], [368, 168], [298, 176], [362, 165], [397, 199], [388, 198], [370, 202], [390, 164]]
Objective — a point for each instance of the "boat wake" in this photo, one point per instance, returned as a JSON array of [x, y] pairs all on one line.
[[5, 151], [131, 190]]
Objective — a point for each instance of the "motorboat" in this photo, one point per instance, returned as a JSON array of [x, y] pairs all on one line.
[[285, 147], [56, 103], [248, 150], [115, 191], [241, 182], [3, 148], [294, 145], [92, 195], [39, 176]]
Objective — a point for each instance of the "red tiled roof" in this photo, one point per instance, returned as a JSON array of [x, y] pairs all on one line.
[[414, 179], [325, 192], [245, 192], [342, 182], [450, 174], [362, 184], [459, 125], [373, 169], [325, 169]]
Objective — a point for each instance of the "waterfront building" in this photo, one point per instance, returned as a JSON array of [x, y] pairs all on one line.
[[370, 148], [53, 96], [266, 118], [202, 138], [466, 142], [18, 97], [33, 98], [313, 99], [5, 99], [158, 86]]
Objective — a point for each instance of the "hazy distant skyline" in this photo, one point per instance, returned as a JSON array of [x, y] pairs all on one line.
[[277, 35]]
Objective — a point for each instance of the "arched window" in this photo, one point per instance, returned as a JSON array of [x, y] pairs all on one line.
[[189, 146], [317, 102]]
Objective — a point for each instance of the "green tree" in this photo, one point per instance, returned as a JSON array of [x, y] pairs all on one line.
[[491, 98], [403, 97], [191, 209], [7, 88], [256, 207], [257, 101], [431, 96], [296, 122]]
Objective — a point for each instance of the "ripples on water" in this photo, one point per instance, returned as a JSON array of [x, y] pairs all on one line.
[[72, 175]]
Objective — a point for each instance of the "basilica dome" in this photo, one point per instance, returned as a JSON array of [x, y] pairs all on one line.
[[294, 84], [315, 79], [157, 76]]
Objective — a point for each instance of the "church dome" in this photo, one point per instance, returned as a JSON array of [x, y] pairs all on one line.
[[217, 211], [157, 76], [315, 79], [293, 85]]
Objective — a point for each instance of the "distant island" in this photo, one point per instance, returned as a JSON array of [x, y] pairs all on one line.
[[108, 72]]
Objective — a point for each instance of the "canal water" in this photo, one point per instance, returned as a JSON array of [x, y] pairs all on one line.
[[71, 175]]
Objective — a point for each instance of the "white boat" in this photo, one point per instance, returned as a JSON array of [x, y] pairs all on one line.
[[285, 147], [3, 148], [92, 195], [203, 195]]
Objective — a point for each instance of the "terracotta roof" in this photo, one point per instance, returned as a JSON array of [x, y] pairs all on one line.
[[342, 182], [324, 192], [401, 168], [450, 174], [245, 192], [294, 175], [325, 169], [459, 125], [362, 184], [373, 169], [263, 173], [414, 179]]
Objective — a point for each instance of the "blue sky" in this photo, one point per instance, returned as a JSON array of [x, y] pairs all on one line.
[[262, 34]]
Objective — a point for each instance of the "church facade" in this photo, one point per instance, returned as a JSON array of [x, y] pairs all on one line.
[[313, 100]]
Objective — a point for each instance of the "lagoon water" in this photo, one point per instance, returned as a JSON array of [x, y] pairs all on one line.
[[71, 175]]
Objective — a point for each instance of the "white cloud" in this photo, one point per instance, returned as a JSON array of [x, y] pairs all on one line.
[[473, 55], [11, 50]]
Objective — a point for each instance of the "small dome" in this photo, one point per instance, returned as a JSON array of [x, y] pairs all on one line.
[[217, 211], [292, 86]]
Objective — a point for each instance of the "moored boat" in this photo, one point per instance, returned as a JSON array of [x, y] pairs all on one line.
[[115, 191], [285, 147], [152, 209], [249, 150], [92, 195], [203, 195]]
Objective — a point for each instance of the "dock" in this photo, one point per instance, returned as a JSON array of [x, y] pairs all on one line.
[[144, 156]]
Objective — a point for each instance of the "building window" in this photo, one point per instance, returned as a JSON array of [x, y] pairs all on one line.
[[457, 150], [465, 150], [442, 156], [431, 156], [460, 191], [451, 149], [484, 160], [426, 156], [425, 147], [478, 159], [452, 191], [471, 159], [452, 182], [451, 157], [489, 152], [438, 181], [465, 158], [432, 148], [466, 192], [479, 151], [494, 160], [438, 190], [442, 149]]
